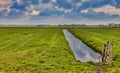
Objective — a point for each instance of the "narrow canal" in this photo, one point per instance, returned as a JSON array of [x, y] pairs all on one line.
[[80, 50]]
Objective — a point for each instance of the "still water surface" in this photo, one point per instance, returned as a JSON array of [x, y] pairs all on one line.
[[81, 51]]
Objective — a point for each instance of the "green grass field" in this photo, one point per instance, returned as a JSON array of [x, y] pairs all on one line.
[[95, 37], [45, 49]]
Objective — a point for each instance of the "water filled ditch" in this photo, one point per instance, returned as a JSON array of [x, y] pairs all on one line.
[[80, 50]]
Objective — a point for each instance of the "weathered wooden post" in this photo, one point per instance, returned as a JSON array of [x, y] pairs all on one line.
[[107, 53]]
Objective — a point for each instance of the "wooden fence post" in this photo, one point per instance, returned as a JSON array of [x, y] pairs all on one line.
[[107, 53]]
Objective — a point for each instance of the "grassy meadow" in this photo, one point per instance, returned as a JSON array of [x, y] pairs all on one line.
[[95, 37], [45, 49]]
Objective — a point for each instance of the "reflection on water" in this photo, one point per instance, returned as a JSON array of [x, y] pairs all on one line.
[[81, 51]]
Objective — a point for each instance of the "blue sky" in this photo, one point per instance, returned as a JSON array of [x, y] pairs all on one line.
[[59, 11]]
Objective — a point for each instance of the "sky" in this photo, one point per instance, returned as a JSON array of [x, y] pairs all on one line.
[[59, 12]]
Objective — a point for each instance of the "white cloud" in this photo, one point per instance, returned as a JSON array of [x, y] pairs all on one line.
[[47, 5], [35, 13], [34, 10], [84, 0], [78, 4], [84, 11], [19, 1], [63, 10], [39, 7], [108, 9], [54, 1], [5, 5]]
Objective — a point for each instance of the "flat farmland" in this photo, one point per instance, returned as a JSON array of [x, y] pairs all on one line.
[[45, 49], [37, 50]]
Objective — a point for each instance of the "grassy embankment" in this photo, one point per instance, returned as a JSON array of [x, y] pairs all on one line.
[[95, 37], [39, 50]]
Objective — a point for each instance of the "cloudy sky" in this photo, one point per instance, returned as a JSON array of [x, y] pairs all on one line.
[[59, 11]]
